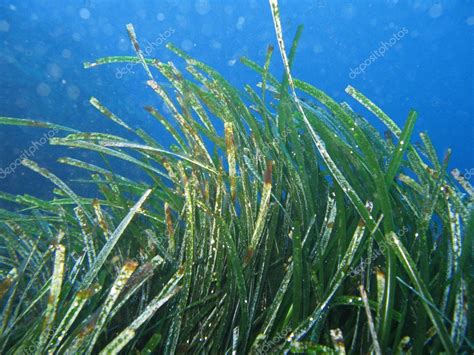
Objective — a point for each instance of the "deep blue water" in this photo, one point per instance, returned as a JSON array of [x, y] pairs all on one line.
[[427, 63]]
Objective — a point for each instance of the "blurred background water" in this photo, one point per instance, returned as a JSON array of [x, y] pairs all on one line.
[[427, 63]]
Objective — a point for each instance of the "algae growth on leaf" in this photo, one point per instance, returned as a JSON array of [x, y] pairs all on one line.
[[300, 229]]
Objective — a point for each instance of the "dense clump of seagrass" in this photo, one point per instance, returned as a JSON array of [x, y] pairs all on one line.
[[299, 229]]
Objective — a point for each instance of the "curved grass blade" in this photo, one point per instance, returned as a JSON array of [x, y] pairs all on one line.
[[410, 267], [55, 291], [117, 287], [121, 340], [107, 248], [59, 183], [31, 123], [401, 148]]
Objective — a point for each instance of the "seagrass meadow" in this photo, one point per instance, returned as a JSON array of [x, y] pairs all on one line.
[[299, 229]]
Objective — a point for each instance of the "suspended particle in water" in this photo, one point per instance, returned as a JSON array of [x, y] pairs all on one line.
[[160, 16], [84, 13], [202, 7], [240, 23]]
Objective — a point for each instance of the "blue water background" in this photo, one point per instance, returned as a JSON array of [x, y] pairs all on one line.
[[43, 45]]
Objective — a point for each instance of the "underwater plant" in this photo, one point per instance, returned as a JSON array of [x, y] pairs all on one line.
[[300, 229]]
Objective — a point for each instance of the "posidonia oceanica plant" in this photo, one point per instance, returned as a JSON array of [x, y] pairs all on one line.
[[242, 241]]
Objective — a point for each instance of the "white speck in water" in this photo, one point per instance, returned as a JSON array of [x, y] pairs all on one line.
[[470, 21], [160, 16], [202, 6], [84, 13], [123, 44], [240, 23]]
